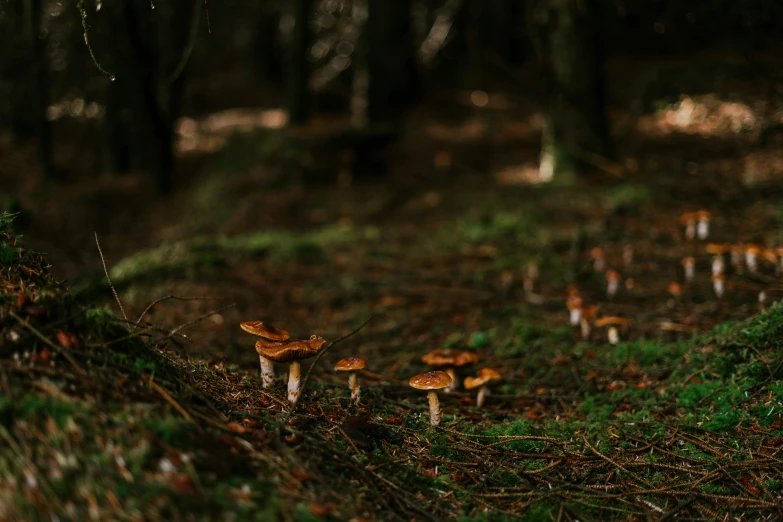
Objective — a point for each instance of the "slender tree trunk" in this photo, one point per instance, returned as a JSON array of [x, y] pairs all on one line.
[[39, 87], [298, 101], [393, 81], [567, 39]]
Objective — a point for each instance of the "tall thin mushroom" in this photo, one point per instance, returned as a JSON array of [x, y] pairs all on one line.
[[431, 382], [270, 333]]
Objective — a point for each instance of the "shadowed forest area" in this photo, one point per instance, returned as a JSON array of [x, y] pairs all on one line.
[[499, 260]]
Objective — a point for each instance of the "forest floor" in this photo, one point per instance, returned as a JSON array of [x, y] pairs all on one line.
[[155, 412]]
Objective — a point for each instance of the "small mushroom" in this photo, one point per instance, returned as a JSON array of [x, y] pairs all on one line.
[[293, 352], [688, 219], [574, 305], [431, 382], [613, 322], [689, 266], [587, 315], [751, 257], [599, 262], [675, 289], [763, 299], [702, 224], [270, 333], [352, 365], [612, 283], [718, 250], [485, 375], [449, 360], [719, 284]]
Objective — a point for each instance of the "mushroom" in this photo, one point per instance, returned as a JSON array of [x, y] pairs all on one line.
[[718, 250], [449, 360], [689, 266], [703, 224], [293, 352], [612, 283], [587, 315], [675, 289], [613, 322], [751, 257], [352, 365], [688, 219], [481, 381], [763, 299], [574, 305], [270, 333], [718, 284], [597, 255], [431, 381]]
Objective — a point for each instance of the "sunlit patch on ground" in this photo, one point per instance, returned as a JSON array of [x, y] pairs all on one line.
[[701, 115], [210, 133]]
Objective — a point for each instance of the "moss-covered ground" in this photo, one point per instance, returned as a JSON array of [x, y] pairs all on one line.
[[156, 412]]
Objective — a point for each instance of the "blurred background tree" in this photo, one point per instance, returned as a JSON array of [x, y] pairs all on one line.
[[363, 64]]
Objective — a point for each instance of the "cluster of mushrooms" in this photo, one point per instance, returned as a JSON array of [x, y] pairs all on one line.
[[276, 346], [696, 225]]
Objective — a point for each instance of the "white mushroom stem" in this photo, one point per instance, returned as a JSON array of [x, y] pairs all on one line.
[[611, 287], [750, 261], [717, 285], [585, 325], [575, 316], [613, 335], [432, 395], [482, 395], [690, 230], [294, 375], [717, 265], [703, 228], [689, 270], [453, 386], [267, 372], [353, 384]]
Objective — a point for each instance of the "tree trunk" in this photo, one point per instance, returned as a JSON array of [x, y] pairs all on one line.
[[567, 39], [298, 100], [393, 80], [39, 87]]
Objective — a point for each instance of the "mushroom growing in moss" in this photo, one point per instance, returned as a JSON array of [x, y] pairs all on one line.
[[293, 352], [613, 322], [586, 319], [612, 283], [351, 365], [481, 381], [574, 305], [270, 333], [449, 360], [702, 224], [689, 266], [431, 382], [688, 219]]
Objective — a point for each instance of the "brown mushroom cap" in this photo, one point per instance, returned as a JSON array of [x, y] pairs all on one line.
[[716, 248], [449, 358], [484, 376], [350, 364], [612, 275], [687, 261], [267, 331], [430, 381], [687, 217], [754, 249], [574, 301], [703, 214], [611, 321], [287, 351]]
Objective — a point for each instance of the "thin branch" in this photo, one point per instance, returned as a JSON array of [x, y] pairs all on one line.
[[49, 343], [165, 298], [106, 271], [321, 354]]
